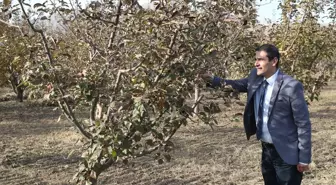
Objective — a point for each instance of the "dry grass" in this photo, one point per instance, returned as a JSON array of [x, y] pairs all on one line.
[[34, 150]]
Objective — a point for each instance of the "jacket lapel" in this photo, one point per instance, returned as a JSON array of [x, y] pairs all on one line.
[[253, 87], [275, 92]]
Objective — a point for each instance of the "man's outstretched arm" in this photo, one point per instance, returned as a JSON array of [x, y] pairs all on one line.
[[239, 85]]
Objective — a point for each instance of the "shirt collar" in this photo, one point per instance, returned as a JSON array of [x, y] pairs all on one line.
[[272, 79]]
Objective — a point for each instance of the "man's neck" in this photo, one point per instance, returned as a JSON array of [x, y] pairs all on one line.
[[267, 76]]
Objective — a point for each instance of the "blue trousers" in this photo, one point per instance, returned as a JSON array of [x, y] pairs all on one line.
[[275, 171]]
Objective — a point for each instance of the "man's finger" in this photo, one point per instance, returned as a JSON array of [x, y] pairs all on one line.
[[305, 168], [299, 168]]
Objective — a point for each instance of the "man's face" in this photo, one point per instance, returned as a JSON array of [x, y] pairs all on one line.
[[264, 66]]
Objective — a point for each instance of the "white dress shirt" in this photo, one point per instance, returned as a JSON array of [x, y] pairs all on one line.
[[265, 135]]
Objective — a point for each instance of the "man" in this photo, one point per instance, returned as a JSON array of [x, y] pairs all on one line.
[[277, 113]]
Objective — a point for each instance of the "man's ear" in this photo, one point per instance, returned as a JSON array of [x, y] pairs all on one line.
[[275, 61]]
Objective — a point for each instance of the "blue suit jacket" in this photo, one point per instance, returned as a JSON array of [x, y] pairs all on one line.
[[288, 124]]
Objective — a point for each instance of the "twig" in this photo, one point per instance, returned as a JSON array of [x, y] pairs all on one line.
[[137, 3], [73, 7], [98, 17], [12, 26], [204, 30], [113, 34], [122, 71], [170, 47], [197, 101], [93, 109], [148, 151], [109, 109], [266, 3]]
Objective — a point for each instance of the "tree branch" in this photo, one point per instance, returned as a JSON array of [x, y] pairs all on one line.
[[106, 165], [122, 71], [116, 85], [93, 109], [110, 161], [12, 26], [71, 118], [109, 109], [170, 47], [296, 36], [150, 150], [67, 109], [97, 17], [113, 34], [45, 42]]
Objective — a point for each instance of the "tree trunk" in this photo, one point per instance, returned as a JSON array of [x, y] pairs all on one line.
[[197, 90], [20, 90], [17, 88], [13, 80], [94, 181]]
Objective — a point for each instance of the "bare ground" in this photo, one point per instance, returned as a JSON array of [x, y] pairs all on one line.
[[35, 148]]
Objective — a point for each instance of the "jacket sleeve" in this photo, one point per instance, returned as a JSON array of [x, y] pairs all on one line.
[[302, 121], [239, 85]]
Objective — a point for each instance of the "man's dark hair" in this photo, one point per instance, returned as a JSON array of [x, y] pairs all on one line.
[[272, 52]]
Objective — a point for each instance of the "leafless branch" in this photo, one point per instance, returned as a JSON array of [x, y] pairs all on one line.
[[109, 109], [170, 47], [12, 26], [265, 3], [93, 109], [69, 114], [148, 151], [122, 71], [73, 7], [113, 34], [137, 3], [97, 17]]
